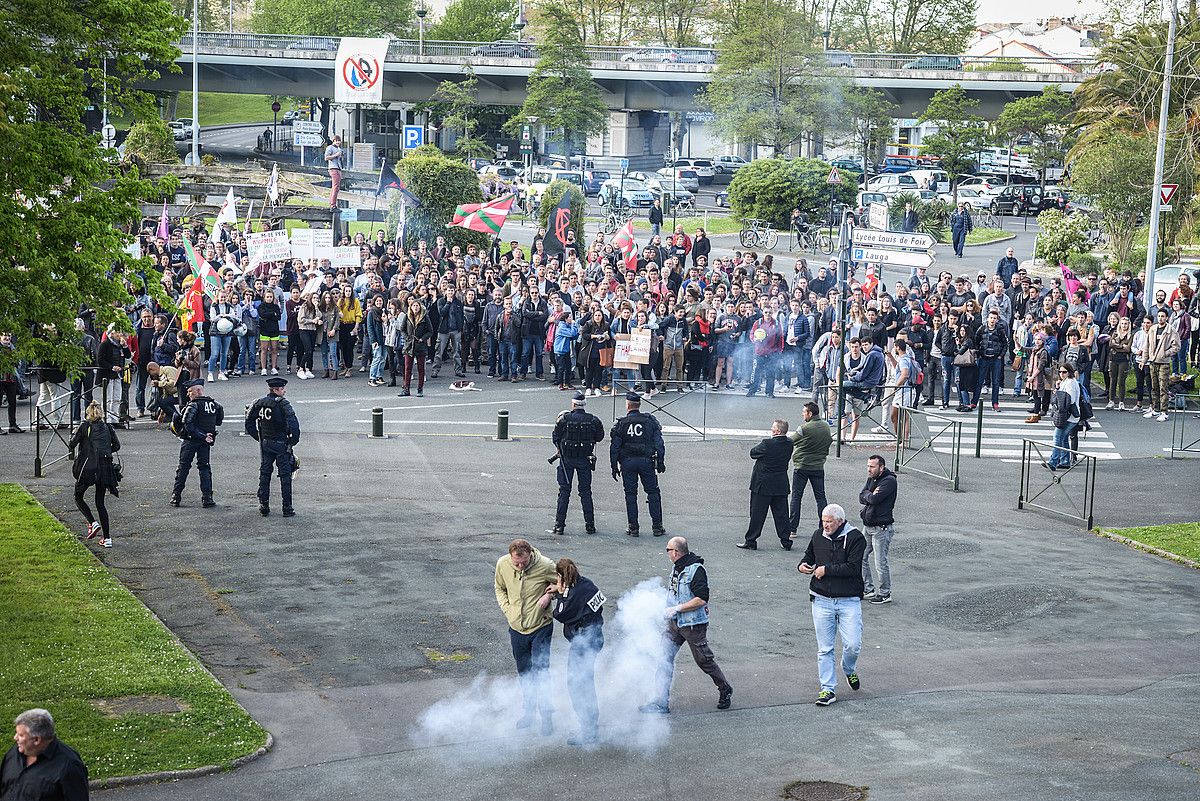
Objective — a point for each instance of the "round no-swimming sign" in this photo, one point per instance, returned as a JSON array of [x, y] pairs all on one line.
[[359, 70]]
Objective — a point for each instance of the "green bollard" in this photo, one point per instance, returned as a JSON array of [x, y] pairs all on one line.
[[502, 425]]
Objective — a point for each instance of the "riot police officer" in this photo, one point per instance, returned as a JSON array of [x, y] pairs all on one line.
[[196, 424], [272, 422], [637, 450], [575, 435]]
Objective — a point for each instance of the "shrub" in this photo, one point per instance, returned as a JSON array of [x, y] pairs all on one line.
[[1084, 263], [1061, 236], [441, 184], [151, 141], [768, 189], [933, 216], [550, 200]]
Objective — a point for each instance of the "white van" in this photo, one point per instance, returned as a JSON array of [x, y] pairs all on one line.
[[934, 179], [892, 182], [541, 177]]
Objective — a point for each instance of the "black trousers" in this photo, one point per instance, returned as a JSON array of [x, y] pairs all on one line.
[[581, 471], [275, 454], [759, 504], [799, 479], [189, 450]]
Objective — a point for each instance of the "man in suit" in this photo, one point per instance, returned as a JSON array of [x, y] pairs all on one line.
[[769, 486]]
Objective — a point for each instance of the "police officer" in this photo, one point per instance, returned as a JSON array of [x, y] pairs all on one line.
[[196, 424], [575, 435], [272, 422], [637, 449]]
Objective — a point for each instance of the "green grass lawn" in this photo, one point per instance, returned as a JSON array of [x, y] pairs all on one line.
[[217, 108], [981, 236], [71, 633], [1178, 538], [717, 224]]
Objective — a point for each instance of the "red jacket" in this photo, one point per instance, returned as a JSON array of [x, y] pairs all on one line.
[[771, 342]]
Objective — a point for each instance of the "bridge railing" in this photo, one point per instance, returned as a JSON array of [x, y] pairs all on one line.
[[696, 57]]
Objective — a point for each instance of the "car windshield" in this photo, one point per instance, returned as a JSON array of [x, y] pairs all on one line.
[[634, 186], [702, 163]]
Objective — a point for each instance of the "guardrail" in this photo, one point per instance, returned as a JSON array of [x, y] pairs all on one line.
[[661, 400], [917, 446], [1039, 485], [1185, 423], [699, 57]]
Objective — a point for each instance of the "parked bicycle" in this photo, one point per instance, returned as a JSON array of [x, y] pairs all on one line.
[[814, 240], [615, 217], [686, 205], [758, 234]]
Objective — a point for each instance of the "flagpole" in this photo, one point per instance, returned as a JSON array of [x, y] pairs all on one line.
[[375, 204]]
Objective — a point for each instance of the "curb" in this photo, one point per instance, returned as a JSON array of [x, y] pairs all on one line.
[[176, 775], [1010, 236], [1138, 545], [231, 125]]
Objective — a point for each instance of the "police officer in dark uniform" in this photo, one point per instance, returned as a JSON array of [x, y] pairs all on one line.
[[637, 450], [196, 424], [272, 422], [575, 435]]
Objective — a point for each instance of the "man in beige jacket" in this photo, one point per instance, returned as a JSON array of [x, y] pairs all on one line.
[[1162, 342], [524, 583]]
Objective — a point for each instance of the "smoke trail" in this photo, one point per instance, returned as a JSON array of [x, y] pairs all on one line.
[[625, 679]]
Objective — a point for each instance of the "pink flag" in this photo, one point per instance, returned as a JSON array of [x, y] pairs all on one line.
[[164, 231], [1070, 282]]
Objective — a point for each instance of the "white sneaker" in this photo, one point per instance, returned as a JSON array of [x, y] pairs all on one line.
[[222, 377], [106, 542], [274, 371], [1122, 407], [210, 377], [1149, 414], [1162, 418], [1110, 406], [879, 430], [264, 371]]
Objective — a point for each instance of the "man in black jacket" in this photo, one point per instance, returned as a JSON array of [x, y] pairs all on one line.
[[833, 559], [878, 498], [769, 487], [40, 766]]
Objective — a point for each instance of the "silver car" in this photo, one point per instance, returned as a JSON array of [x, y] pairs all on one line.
[[683, 176]]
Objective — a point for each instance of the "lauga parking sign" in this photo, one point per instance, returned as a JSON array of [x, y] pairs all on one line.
[[358, 71]]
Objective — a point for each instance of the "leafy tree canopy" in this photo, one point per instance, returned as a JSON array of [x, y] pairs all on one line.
[[904, 26], [768, 189], [961, 133], [441, 184], [333, 17], [475, 21]]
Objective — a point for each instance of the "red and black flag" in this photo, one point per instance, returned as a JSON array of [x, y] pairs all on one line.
[[388, 179], [555, 241]]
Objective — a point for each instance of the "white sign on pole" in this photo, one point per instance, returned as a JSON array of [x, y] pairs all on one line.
[[346, 257], [268, 246], [306, 126], [892, 239], [907, 258], [1166, 192], [302, 243], [877, 215], [306, 139], [358, 70]]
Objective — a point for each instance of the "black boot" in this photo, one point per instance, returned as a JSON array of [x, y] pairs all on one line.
[[289, 512], [208, 502], [559, 529], [264, 510], [632, 531], [174, 500]]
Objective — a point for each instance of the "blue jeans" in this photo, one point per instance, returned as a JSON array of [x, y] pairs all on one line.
[[879, 540], [510, 357], [1179, 362], [833, 617], [804, 367], [531, 652], [329, 356], [992, 369], [218, 349], [948, 369], [1060, 456], [248, 353], [531, 350], [378, 355], [628, 378], [493, 353]]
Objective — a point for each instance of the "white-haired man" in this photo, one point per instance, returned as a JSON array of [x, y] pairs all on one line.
[[834, 560], [40, 766]]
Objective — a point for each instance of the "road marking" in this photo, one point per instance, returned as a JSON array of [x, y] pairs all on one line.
[[444, 405]]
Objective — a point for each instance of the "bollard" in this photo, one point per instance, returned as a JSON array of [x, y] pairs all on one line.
[[502, 425], [377, 423], [979, 428]]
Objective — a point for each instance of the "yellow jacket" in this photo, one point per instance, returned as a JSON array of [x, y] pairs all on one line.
[[351, 311], [518, 592]]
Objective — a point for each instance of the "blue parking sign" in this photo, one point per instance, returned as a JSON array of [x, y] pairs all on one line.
[[414, 136], [624, 165]]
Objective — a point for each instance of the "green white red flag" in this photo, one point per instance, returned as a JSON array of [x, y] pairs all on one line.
[[210, 282], [486, 217]]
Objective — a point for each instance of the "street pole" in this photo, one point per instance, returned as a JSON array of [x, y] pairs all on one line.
[[275, 131], [840, 327], [1159, 156], [195, 83]]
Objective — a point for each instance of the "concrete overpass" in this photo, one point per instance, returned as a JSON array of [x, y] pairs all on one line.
[[632, 79]]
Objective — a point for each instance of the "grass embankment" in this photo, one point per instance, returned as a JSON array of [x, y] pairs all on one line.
[[71, 633], [982, 236], [217, 108], [1182, 539], [718, 223]]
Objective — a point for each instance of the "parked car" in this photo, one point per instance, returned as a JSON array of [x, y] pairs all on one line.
[[504, 171], [477, 164], [703, 167], [661, 188], [631, 193], [1054, 197], [683, 176], [896, 164], [290, 116], [892, 182], [975, 197], [935, 63], [730, 164], [722, 199], [178, 130], [504, 50], [868, 197], [846, 163], [592, 181], [1017, 200], [671, 55], [937, 180], [542, 177], [327, 44]]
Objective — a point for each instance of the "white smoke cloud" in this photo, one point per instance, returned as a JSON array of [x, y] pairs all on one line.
[[625, 678]]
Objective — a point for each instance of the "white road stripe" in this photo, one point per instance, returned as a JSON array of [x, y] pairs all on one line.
[[443, 405]]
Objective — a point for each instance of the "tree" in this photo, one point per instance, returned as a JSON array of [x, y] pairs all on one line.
[[905, 26], [933, 216], [68, 206], [672, 22], [553, 196], [1116, 178], [961, 133], [333, 17], [768, 189], [868, 114], [1062, 236], [441, 184], [1042, 118], [769, 85], [475, 21], [455, 102], [560, 91]]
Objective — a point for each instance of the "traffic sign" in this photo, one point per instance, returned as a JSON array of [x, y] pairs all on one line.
[[526, 133], [877, 215], [306, 126], [835, 177], [275, 107], [624, 165], [892, 239], [1164, 208], [301, 139], [109, 134], [414, 136], [907, 258], [1166, 192]]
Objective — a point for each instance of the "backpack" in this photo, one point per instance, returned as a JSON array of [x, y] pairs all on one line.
[[177, 422], [1085, 405]]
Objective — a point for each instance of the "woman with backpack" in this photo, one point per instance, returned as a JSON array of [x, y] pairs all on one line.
[[94, 444]]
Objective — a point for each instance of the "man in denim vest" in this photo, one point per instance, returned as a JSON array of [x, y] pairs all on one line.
[[687, 621]]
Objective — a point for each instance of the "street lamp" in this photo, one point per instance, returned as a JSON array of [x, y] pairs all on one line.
[[421, 12], [519, 25], [195, 83]]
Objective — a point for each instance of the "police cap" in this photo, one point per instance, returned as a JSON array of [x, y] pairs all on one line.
[[633, 397], [195, 382], [276, 383], [579, 400]]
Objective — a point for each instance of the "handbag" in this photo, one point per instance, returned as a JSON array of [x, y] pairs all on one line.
[[606, 356], [1018, 361], [965, 359]]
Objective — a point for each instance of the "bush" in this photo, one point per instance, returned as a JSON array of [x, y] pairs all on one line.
[[933, 216], [768, 189], [550, 200], [441, 184], [1061, 236], [1084, 263], [151, 141]]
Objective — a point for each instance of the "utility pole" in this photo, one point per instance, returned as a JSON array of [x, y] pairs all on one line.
[[195, 83], [1159, 156]]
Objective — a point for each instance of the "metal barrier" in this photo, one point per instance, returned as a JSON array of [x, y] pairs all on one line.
[[1034, 458], [920, 434], [1185, 408], [683, 389], [53, 415], [873, 413]]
